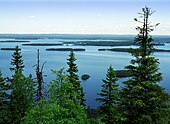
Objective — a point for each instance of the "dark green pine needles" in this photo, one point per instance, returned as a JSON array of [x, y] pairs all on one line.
[[17, 61], [109, 97], [22, 90], [143, 100], [74, 78], [4, 100]]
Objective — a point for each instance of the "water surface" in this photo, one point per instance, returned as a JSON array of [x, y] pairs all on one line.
[[91, 61]]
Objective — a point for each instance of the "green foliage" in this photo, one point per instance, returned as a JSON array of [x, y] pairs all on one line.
[[74, 79], [59, 109], [109, 97], [17, 61], [91, 112], [61, 89], [21, 97], [4, 100], [143, 99], [21, 90], [95, 121], [93, 116], [44, 113]]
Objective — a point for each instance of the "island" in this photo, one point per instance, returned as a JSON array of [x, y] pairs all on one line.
[[128, 50], [43, 44], [116, 49], [99, 43], [13, 41], [27, 38], [9, 49], [123, 73], [119, 74], [85, 76], [66, 49], [106, 43]]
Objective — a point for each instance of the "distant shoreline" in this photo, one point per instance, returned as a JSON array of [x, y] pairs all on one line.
[[9, 49], [43, 44], [90, 43], [65, 49], [12, 41], [128, 50], [82, 49]]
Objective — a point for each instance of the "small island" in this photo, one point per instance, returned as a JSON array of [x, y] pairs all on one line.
[[85, 76], [116, 49], [66, 49]]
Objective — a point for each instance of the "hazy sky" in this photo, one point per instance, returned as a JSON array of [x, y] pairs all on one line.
[[80, 16]]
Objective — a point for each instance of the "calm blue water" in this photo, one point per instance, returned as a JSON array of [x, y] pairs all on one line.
[[91, 61]]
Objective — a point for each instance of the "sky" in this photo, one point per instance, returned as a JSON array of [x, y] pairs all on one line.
[[80, 16]]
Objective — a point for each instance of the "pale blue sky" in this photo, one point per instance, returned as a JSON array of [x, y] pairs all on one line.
[[80, 16]]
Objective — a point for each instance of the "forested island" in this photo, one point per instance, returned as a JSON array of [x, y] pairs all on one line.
[[66, 49], [128, 50], [13, 41], [43, 44], [9, 49]]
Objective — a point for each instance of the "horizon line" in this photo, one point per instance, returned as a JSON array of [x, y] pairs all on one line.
[[18, 33]]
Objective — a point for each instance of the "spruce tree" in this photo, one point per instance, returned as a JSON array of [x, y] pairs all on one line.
[[17, 61], [21, 98], [4, 101], [143, 99], [109, 97], [21, 90], [74, 78]]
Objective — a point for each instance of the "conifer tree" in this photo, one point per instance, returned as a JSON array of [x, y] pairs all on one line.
[[21, 98], [4, 101], [109, 97], [17, 61], [74, 78], [21, 90], [143, 99]]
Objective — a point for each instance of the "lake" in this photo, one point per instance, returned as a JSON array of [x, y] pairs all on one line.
[[91, 61]]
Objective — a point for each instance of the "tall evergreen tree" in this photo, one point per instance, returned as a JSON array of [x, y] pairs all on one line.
[[17, 61], [143, 99], [4, 101], [74, 79], [21, 90], [109, 97]]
